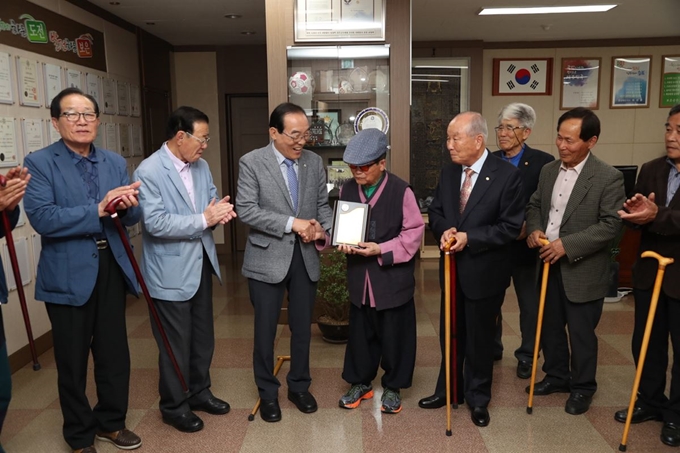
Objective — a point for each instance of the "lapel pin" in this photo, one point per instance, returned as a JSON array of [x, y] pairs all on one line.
[[487, 178], [526, 163]]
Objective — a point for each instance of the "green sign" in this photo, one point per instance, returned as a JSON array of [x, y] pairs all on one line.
[[36, 30], [670, 89]]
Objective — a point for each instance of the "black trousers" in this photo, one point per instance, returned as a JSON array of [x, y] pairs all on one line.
[[267, 299], [190, 329], [384, 338], [578, 370], [99, 326], [475, 333], [651, 393]]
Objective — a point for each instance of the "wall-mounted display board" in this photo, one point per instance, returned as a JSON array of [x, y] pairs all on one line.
[[109, 97], [28, 79], [123, 99], [33, 134], [670, 81], [8, 142], [94, 87], [54, 82], [339, 20], [6, 90], [135, 101], [74, 78]]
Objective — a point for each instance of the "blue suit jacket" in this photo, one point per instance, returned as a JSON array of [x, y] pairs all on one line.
[[56, 204], [173, 235]]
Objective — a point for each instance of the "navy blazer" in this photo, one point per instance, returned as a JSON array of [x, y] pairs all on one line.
[[56, 204], [492, 219], [530, 165]]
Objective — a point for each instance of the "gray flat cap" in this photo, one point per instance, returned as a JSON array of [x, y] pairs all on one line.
[[365, 147]]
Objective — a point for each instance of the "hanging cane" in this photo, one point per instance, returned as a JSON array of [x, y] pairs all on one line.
[[449, 288], [663, 262], [539, 325], [279, 362], [111, 209], [17, 279]]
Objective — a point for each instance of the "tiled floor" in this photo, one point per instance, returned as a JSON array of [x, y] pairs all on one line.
[[34, 420]]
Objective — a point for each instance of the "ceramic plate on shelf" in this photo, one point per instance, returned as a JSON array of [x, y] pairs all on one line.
[[359, 80], [372, 118]]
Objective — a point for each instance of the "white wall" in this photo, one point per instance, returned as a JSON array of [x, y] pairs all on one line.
[[629, 136], [122, 64], [195, 85]]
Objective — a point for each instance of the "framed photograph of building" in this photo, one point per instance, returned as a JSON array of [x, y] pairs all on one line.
[[522, 76], [580, 83], [630, 81]]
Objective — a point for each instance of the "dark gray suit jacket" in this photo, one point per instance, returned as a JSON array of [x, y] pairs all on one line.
[[263, 203], [589, 225]]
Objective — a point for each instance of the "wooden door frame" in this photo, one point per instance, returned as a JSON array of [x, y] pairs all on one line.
[[229, 165]]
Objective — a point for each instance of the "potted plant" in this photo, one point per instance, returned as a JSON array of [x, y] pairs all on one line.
[[332, 298]]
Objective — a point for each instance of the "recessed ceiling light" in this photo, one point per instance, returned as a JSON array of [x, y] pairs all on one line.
[[232, 16], [546, 10], [248, 32]]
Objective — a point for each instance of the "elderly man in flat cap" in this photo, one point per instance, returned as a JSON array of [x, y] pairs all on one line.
[[382, 319]]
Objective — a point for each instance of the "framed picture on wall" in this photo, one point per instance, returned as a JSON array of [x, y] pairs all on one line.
[[670, 81], [580, 83], [521, 76], [630, 81]]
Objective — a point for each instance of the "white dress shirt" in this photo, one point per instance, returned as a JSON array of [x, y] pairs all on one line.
[[564, 184]]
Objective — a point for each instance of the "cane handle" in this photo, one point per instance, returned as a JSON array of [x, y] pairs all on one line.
[[111, 207], [448, 244], [544, 241], [663, 261]]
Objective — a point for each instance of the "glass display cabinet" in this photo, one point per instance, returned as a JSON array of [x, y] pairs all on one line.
[[343, 89]]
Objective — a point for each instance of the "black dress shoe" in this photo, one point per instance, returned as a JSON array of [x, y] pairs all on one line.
[[304, 401], [270, 410], [670, 434], [524, 369], [546, 388], [480, 416], [212, 405], [188, 422], [578, 403], [640, 414], [432, 402]]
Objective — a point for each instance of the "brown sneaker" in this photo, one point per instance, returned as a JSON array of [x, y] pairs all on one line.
[[86, 450], [123, 439]]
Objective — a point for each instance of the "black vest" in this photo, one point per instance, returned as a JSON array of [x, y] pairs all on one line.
[[393, 284]]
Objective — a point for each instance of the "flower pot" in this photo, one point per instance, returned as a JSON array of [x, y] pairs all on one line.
[[333, 331]]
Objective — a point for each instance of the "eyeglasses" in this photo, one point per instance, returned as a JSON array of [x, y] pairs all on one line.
[[73, 117], [202, 141], [296, 137], [364, 168], [500, 129]]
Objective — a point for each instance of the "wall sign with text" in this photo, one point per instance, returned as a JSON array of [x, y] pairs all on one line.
[[339, 20]]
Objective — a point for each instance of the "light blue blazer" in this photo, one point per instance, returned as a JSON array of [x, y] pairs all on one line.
[[173, 238], [56, 204]]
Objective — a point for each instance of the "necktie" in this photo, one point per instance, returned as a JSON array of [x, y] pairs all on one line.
[[466, 189], [292, 182]]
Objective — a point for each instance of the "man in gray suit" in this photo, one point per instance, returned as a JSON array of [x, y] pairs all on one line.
[[180, 208], [282, 197], [575, 208]]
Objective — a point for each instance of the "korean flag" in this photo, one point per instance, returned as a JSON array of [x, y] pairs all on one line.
[[523, 76]]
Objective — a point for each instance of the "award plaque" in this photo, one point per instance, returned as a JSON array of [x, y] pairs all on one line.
[[349, 222]]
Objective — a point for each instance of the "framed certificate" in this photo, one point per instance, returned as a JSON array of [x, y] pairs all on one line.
[[630, 81], [580, 85], [109, 105], [349, 222], [53, 82], [8, 143], [670, 81], [333, 20], [6, 94], [28, 76]]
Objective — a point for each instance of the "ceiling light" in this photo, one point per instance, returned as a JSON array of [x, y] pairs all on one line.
[[248, 33], [232, 16], [546, 10]]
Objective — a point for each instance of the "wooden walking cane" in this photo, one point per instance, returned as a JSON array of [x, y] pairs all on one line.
[[663, 262], [17, 279], [450, 287], [279, 362], [111, 209], [539, 326]]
